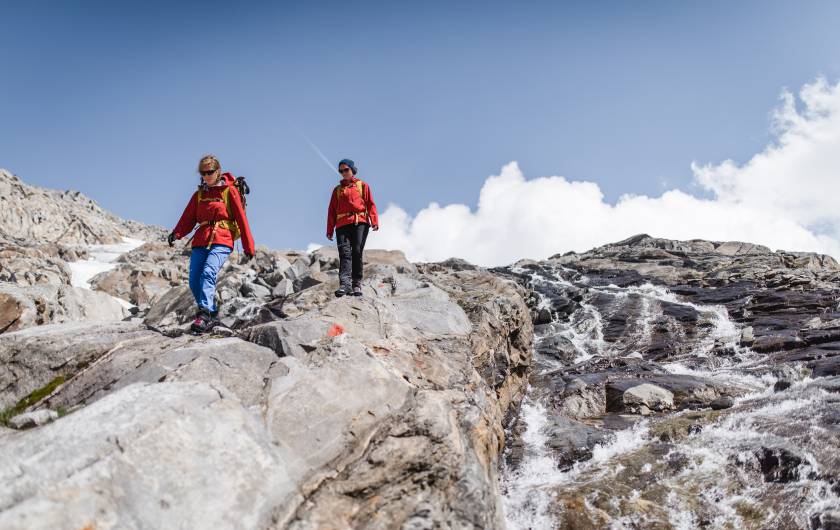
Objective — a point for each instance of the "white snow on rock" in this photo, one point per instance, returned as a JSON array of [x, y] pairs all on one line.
[[102, 259]]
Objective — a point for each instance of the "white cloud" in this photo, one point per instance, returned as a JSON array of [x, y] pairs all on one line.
[[784, 197]]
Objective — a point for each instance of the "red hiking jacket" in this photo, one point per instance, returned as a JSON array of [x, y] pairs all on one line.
[[208, 211], [348, 207]]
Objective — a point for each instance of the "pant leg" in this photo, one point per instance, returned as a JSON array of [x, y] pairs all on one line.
[[198, 257], [360, 233], [216, 257], [344, 241]]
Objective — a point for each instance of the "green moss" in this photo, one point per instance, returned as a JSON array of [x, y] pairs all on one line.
[[34, 397]]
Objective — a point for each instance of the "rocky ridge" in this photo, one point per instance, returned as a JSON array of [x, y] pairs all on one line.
[[41, 232], [306, 412], [41, 215]]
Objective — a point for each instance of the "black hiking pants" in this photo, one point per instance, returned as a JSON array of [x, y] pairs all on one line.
[[351, 243]]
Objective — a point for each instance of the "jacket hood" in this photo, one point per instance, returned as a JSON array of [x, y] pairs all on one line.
[[229, 179]]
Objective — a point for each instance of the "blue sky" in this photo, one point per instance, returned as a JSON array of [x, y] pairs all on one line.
[[120, 99]]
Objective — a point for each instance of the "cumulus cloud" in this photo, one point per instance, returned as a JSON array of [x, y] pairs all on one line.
[[784, 197]]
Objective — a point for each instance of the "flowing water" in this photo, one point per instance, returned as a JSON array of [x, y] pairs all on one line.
[[769, 461]]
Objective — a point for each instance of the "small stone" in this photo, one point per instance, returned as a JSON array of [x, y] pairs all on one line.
[[33, 419], [747, 336]]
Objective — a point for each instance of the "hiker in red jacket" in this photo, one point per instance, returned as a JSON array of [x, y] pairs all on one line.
[[351, 214], [216, 207]]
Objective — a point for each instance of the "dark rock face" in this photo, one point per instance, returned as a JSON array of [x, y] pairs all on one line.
[[662, 358]]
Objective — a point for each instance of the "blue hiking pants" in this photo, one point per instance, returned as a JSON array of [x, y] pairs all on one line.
[[205, 264]]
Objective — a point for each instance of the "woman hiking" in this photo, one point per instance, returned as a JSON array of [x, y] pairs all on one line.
[[351, 214], [217, 209]]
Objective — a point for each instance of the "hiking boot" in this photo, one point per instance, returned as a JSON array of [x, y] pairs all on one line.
[[357, 290], [343, 289], [203, 322]]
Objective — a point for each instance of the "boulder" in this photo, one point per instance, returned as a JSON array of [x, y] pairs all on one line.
[[651, 396]]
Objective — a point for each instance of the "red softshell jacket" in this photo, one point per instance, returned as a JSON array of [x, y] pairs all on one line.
[[347, 207], [209, 211]]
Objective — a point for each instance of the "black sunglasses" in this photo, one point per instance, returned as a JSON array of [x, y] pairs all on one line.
[[207, 173], [345, 170]]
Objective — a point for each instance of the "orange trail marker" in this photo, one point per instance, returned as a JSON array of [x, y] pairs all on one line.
[[335, 330]]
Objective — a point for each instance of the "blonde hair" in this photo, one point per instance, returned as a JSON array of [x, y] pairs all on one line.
[[208, 162]]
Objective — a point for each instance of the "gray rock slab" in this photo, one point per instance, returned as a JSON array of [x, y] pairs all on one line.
[[241, 367], [171, 455], [32, 358]]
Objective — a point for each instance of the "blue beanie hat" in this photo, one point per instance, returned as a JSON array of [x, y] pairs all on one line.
[[349, 163]]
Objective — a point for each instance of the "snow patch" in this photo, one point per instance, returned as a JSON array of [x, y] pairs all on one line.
[[102, 259]]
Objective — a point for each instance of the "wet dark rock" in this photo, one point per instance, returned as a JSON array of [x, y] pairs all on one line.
[[572, 441], [777, 342], [582, 398], [778, 465], [781, 385], [543, 317], [826, 367], [722, 402], [827, 520], [557, 347]]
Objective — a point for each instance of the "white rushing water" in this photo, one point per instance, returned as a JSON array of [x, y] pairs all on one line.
[[713, 489], [102, 259]]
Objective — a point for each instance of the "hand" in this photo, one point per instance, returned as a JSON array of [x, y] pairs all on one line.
[[248, 257], [330, 237], [375, 228], [171, 239]]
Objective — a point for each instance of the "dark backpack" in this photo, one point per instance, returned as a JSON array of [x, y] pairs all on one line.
[[242, 188]]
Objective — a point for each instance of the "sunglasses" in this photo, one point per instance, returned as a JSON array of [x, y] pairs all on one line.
[[207, 173], [345, 170]]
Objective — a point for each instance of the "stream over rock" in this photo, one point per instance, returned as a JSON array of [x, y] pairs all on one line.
[[678, 385]]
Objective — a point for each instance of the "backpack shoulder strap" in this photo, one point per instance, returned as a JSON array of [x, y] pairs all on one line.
[[361, 187], [226, 198]]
